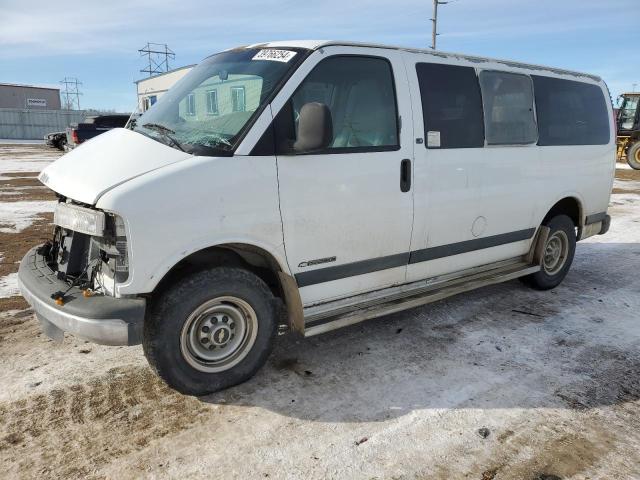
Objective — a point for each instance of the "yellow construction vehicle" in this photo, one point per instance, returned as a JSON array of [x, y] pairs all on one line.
[[628, 135]]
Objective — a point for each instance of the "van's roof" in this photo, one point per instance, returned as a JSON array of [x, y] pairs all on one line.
[[317, 44]]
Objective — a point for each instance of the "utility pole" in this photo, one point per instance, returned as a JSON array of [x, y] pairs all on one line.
[[633, 86], [434, 32]]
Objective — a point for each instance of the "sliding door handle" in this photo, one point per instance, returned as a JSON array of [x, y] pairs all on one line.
[[405, 175]]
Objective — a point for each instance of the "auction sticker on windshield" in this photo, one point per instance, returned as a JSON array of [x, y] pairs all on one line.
[[274, 55]]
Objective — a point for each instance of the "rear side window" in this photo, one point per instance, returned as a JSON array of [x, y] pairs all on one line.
[[570, 112], [508, 108], [451, 106]]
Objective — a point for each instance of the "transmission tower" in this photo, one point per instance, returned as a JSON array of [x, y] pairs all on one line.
[[158, 55], [71, 93]]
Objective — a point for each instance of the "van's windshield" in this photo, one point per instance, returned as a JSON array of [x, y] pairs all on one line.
[[209, 109]]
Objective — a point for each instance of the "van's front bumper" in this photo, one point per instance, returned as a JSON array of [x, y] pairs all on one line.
[[98, 318]]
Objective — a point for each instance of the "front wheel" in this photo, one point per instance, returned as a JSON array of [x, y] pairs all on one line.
[[557, 255], [633, 156], [211, 330]]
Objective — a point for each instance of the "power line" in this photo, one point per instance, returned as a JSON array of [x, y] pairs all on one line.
[[158, 55], [71, 93]]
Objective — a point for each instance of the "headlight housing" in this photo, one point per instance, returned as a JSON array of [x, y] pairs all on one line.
[[122, 261], [112, 251], [80, 219]]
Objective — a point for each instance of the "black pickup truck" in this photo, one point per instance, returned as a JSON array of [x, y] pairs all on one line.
[[92, 127]]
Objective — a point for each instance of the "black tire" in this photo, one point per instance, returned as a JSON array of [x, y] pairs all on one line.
[[548, 278], [633, 156], [165, 329]]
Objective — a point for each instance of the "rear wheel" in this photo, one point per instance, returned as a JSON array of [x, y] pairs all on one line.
[[558, 253], [211, 330], [633, 156]]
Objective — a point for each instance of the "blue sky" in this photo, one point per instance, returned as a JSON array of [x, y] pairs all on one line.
[[41, 42]]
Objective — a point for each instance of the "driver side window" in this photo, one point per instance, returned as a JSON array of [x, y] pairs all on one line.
[[359, 93]]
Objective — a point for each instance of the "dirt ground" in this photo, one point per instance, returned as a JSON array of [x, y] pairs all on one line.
[[501, 383]]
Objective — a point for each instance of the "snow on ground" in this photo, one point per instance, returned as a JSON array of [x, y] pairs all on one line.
[[9, 285], [18, 159], [624, 199], [13, 191], [16, 216], [627, 184], [623, 166], [624, 209], [34, 164]]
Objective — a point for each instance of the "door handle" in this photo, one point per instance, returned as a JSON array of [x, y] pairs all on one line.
[[405, 175]]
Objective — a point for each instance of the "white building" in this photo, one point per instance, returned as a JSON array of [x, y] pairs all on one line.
[[151, 88]]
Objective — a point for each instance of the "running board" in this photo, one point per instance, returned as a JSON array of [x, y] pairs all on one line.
[[319, 321]]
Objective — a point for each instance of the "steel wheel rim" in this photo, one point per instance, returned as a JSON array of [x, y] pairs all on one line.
[[556, 251], [219, 334]]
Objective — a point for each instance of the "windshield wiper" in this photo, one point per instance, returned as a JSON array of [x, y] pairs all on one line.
[[166, 132]]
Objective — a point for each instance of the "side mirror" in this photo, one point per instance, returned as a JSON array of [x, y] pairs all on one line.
[[315, 128]]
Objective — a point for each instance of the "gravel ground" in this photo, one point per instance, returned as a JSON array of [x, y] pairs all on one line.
[[500, 383]]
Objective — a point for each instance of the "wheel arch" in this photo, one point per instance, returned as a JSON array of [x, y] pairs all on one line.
[[569, 205], [250, 257]]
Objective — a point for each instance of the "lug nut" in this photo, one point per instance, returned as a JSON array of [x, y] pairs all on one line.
[[205, 329], [225, 319]]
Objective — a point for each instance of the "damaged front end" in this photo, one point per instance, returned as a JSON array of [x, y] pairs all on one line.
[[88, 250], [71, 280]]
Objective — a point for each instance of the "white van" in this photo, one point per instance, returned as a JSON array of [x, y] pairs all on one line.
[[313, 185]]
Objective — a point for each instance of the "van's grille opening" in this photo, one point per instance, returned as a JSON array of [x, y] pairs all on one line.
[[71, 257], [85, 261]]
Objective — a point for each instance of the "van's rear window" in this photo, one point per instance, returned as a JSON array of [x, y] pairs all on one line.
[[570, 112]]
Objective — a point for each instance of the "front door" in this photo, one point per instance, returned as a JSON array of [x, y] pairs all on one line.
[[347, 210]]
